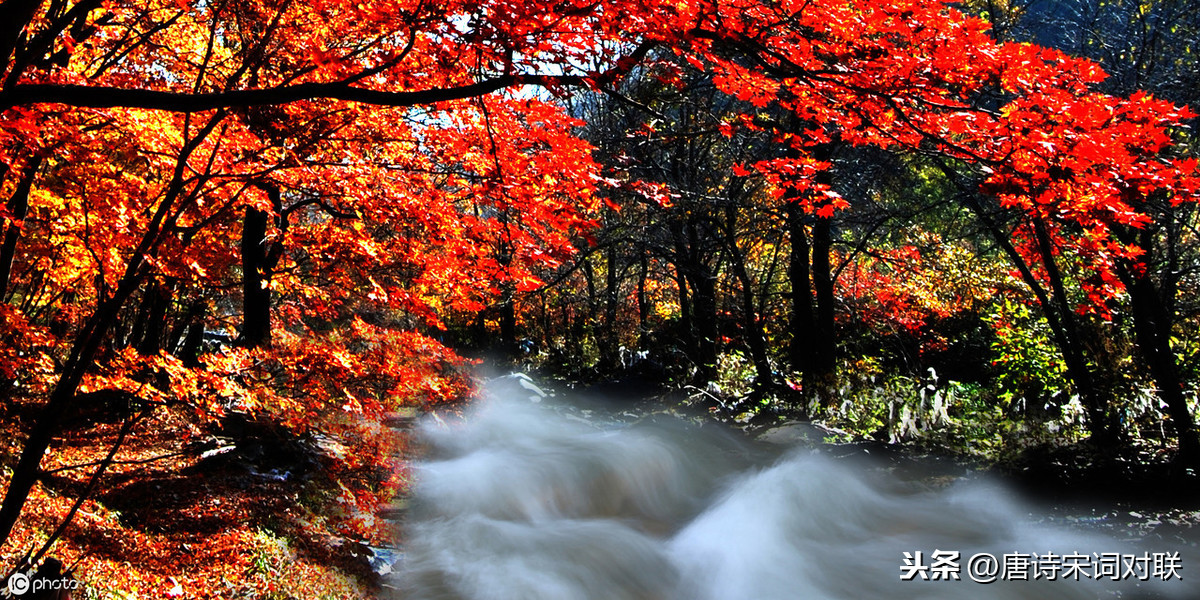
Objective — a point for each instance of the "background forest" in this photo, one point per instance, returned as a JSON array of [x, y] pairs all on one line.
[[912, 311], [242, 243]]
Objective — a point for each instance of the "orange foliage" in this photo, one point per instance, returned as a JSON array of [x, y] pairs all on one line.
[[377, 220], [271, 207], [907, 289], [170, 524]]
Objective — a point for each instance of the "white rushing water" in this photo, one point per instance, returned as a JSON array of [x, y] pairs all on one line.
[[520, 502]]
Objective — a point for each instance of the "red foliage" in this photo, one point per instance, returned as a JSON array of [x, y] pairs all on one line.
[[907, 291], [395, 184], [918, 75]]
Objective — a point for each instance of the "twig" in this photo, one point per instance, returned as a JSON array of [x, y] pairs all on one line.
[[91, 485]]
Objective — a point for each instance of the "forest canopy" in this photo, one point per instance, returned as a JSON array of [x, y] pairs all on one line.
[[314, 216]]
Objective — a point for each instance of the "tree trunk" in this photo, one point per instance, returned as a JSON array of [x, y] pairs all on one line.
[[148, 334], [813, 350], [800, 352], [752, 328], [686, 329], [704, 309], [588, 325], [643, 301], [152, 341], [508, 323], [18, 207], [1152, 329], [685, 305], [14, 16], [179, 328], [609, 352], [256, 296], [1103, 431], [704, 305], [189, 353], [1153, 322], [133, 333], [824, 365]]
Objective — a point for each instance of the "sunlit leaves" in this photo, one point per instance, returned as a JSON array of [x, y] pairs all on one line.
[[908, 289], [381, 223], [918, 76]]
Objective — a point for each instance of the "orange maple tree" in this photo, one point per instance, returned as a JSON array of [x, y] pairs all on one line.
[[315, 184]]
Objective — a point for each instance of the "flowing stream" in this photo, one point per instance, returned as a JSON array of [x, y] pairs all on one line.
[[523, 501]]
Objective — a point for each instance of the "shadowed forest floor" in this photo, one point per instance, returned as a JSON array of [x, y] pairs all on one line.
[[191, 518]]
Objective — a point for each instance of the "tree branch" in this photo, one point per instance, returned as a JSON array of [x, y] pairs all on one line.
[[108, 97]]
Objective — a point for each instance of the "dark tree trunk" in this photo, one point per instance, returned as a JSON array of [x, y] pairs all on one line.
[[14, 16], [256, 297], [1152, 329], [1104, 431], [609, 352], [803, 327], [507, 308], [1153, 323], [158, 297], [752, 328], [126, 333], [704, 305], [589, 277], [259, 259], [643, 301], [685, 305], [825, 346], [18, 206], [813, 350], [508, 324], [180, 327], [703, 283], [189, 353], [686, 329]]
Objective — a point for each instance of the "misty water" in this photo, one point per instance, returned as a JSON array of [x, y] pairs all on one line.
[[521, 500]]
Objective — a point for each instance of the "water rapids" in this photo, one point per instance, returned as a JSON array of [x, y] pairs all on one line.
[[522, 502]]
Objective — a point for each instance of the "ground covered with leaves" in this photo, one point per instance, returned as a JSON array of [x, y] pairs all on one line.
[[192, 516]]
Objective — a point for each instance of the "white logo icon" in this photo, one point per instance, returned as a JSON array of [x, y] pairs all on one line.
[[18, 584]]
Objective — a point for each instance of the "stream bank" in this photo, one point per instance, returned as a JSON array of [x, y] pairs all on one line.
[[530, 497]]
